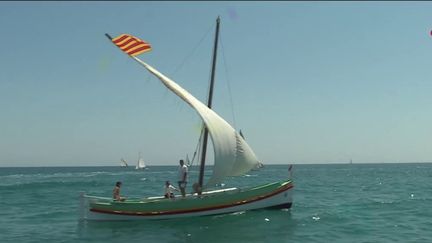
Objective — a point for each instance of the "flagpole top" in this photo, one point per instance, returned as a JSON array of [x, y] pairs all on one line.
[[108, 36]]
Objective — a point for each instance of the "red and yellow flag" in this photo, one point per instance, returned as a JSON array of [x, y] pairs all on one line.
[[131, 45]]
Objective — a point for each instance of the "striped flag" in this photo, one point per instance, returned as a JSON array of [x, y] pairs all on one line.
[[131, 45]]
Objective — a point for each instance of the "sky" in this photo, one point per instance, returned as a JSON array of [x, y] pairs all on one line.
[[306, 82]]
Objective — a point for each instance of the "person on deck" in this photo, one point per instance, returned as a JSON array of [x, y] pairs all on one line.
[[183, 176], [169, 190], [116, 192], [197, 189]]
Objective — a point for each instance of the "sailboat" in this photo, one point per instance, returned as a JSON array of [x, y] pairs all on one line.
[[232, 157], [140, 163], [123, 163]]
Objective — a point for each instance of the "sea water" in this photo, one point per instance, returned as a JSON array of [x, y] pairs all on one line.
[[332, 203]]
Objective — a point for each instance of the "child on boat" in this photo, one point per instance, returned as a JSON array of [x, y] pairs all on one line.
[[116, 192], [169, 190]]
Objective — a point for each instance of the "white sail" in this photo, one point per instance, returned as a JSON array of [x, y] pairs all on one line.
[[140, 163], [123, 163], [233, 156]]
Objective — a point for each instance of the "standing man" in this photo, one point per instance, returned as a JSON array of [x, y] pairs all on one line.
[[182, 173]]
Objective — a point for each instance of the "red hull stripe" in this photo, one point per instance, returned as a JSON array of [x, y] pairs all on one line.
[[282, 189]]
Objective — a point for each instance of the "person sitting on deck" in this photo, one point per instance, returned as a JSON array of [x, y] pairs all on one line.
[[197, 188], [169, 190], [116, 192]]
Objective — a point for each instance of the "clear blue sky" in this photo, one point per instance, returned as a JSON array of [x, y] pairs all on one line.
[[311, 82]]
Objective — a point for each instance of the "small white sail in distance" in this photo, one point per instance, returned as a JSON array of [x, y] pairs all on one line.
[[140, 163], [123, 163], [233, 156]]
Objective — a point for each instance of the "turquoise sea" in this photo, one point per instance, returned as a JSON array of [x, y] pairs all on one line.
[[332, 203]]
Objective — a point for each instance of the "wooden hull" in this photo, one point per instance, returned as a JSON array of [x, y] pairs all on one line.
[[274, 195]]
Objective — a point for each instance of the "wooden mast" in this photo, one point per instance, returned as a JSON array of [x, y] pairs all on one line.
[[209, 104]]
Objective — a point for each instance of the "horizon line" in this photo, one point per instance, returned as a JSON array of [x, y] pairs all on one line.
[[326, 163]]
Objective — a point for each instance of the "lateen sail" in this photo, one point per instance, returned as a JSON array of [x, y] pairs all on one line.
[[233, 156]]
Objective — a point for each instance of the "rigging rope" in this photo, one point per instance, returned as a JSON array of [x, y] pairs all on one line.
[[198, 148], [188, 56], [228, 81], [193, 51]]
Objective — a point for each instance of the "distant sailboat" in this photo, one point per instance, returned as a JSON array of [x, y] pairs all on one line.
[[140, 164], [123, 163]]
